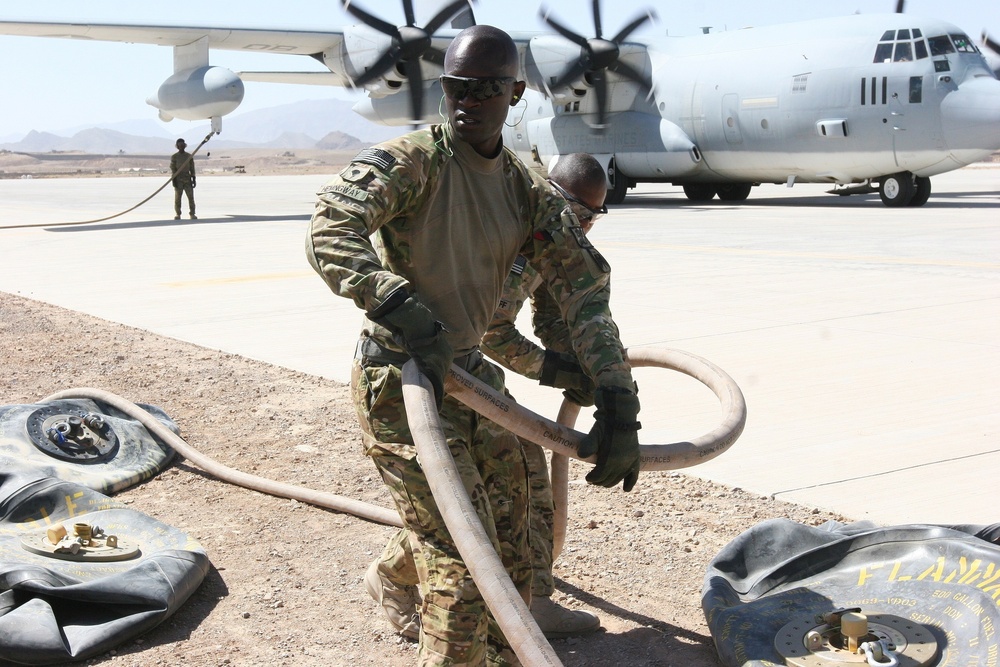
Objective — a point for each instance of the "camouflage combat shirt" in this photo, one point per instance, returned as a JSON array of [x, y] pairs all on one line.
[[506, 345], [426, 212]]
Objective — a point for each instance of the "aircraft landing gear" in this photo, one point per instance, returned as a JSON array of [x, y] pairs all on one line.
[[896, 189], [619, 185], [734, 191], [922, 191], [904, 189], [699, 191]]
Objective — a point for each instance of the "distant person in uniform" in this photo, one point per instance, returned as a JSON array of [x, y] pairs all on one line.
[[182, 174]]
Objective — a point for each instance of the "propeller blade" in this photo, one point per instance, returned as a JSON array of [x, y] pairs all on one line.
[[435, 56], [630, 28], [993, 45], [632, 73], [601, 86], [410, 44], [415, 77], [900, 5], [446, 13], [380, 67], [369, 20], [572, 73], [597, 56], [563, 30]]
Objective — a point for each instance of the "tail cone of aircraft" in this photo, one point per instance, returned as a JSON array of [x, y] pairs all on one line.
[[198, 93]]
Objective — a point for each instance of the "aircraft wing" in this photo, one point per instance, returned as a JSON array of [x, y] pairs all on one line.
[[348, 53], [296, 42]]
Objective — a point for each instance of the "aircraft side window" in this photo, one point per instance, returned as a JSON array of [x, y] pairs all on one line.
[[921, 48], [917, 34], [940, 45], [883, 53], [942, 66], [916, 89], [903, 52], [903, 34], [888, 36], [963, 44]]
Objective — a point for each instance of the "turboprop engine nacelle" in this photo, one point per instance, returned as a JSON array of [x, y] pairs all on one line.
[[198, 93], [545, 62]]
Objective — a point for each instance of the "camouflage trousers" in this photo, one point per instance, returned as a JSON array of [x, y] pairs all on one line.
[[456, 626], [188, 190]]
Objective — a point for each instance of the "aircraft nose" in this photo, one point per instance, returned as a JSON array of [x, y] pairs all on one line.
[[971, 115]]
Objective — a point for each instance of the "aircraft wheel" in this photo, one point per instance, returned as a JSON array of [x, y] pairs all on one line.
[[897, 189], [734, 191], [619, 185], [922, 191], [699, 191]]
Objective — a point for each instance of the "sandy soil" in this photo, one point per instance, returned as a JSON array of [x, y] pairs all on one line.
[[286, 583]]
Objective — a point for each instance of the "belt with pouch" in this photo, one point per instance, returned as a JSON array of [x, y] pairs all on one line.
[[370, 351]]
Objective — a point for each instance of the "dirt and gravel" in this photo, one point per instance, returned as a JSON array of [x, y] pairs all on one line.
[[285, 586]]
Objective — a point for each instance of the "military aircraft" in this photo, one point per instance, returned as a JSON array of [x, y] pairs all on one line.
[[856, 101]]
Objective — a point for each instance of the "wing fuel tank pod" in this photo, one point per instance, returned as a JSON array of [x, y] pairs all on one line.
[[196, 90], [199, 93]]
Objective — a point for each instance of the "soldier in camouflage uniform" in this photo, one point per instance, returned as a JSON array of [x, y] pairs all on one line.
[[182, 176], [449, 209], [580, 179], [392, 579]]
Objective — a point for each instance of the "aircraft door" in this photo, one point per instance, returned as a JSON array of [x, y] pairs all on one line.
[[897, 125], [731, 118]]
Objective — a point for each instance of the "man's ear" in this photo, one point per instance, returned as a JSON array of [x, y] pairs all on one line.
[[519, 87]]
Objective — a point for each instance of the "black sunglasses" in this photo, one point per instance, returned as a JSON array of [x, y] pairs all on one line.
[[460, 87], [587, 214]]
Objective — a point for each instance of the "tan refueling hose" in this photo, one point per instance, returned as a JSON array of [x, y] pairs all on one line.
[[227, 474], [509, 609], [526, 424], [559, 481]]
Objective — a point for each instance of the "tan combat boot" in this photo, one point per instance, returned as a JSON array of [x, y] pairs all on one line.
[[558, 622], [398, 602]]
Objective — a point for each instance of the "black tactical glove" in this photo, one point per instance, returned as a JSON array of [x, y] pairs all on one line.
[[564, 371], [581, 397], [414, 329], [614, 438]]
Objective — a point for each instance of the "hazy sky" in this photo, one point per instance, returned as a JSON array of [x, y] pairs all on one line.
[[55, 84]]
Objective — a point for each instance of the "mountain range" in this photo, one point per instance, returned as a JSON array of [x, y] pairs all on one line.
[[328, 123]]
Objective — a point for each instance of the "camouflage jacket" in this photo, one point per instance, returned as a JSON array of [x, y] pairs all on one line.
[[506, 345], [185, 176], [365, 241]]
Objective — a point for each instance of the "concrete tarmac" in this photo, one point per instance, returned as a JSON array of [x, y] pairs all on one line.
[[866, 340]]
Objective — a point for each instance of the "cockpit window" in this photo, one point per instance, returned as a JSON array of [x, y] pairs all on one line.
[[963, 44], [940, 45], [903, 52], [896, 46], [883, 53]]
